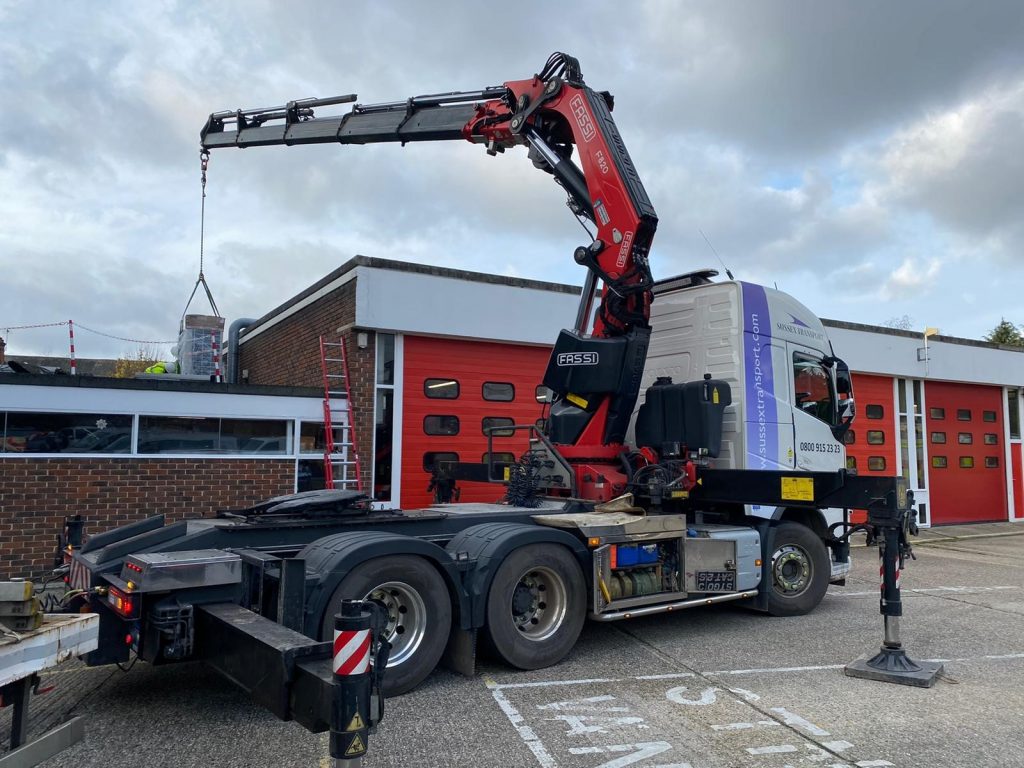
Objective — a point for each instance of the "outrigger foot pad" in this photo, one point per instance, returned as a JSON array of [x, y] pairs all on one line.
[[892, 665]]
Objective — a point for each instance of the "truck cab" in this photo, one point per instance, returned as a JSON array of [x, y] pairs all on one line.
[[793, 398]]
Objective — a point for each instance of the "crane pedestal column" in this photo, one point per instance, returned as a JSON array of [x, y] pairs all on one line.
[[892, 664]]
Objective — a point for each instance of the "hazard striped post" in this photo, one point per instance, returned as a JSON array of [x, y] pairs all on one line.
[[71, 336], [350, 710], [215, 347]]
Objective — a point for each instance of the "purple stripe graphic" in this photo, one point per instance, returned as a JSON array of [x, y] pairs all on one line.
[[759, 386]]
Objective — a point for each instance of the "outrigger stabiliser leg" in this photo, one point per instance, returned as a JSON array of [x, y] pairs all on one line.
[[360, 657], [889, 524]]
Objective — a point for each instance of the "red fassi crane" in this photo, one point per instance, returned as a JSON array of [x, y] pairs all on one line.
[[595, 376]]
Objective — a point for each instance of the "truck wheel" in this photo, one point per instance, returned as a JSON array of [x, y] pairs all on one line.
[[536, 606], [799, 570], [419, 614]]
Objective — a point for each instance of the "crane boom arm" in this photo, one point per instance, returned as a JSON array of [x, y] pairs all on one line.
[[553, 114]]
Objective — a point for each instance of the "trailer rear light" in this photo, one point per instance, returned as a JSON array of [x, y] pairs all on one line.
[[121, 603]]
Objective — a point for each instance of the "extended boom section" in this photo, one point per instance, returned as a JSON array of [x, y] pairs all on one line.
[[596, 367]]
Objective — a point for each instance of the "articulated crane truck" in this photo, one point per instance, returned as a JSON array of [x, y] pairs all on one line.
[[692, 455]]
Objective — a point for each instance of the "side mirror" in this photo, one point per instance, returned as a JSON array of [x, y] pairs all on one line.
[[847, 410], [844, 381]]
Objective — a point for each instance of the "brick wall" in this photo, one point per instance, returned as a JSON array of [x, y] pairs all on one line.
[[36, 495], [288, 353]]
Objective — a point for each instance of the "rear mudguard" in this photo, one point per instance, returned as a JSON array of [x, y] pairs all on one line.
[[488, 544], [332, 558]]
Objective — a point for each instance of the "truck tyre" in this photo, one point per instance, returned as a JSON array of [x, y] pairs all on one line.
[[419, 614], [536, 606], [798, 570]]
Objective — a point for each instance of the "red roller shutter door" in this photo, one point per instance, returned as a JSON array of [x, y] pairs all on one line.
[[967, 476], [472, 364]]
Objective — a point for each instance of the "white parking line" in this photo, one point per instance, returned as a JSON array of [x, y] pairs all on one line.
[[926, 590]]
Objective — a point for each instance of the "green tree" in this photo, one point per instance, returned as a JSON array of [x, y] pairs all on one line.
[[1006, 333]]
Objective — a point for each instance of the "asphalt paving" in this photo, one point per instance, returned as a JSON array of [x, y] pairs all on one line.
[[709, 688]]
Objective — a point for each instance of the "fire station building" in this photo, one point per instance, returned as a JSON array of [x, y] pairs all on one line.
[[438, 355]]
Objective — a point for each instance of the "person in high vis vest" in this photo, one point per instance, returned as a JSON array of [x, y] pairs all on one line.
[[163, 367]]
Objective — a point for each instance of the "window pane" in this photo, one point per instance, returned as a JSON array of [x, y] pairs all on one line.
[[850, 437], [966, 462], [991, 438], [385, 358], [939, 462], [876, 463], [1014, 403], [499, 458], [991, 462], [499, 391], [253, 436], [813, 388], [384, 418], [965, 438], [988, 416], [173, 434], [441, 389], [938, 437], [501, 426], [876, 437], [963, 414], [311, 475], [67, 433], [312, 438], [851, 462], [874, 412], [937, 413], [431, 458], [441, 425]]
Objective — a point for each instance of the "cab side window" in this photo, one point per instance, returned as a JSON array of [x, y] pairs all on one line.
[[812, 383]]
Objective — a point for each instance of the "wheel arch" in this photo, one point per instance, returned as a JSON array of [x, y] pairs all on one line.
[[488, 544], [334, 557]]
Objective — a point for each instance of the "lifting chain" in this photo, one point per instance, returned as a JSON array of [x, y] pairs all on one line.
[[204, 162]]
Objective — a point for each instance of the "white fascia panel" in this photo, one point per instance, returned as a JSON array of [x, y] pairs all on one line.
[[890, 355], [413, 302], [98, 400]]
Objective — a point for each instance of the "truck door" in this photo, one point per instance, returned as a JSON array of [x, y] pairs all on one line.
[[814, 399]]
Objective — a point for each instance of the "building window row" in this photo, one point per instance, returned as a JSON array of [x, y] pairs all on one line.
[[966, 462], [449, 389], [92, 433]]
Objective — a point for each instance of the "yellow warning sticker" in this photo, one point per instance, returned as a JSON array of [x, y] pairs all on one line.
[[576, 400], [356, 724], [508, 473], [714, 395], [356, 747], [798, 488]]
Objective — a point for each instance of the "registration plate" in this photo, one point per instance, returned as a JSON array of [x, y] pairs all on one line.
[[716, 581]]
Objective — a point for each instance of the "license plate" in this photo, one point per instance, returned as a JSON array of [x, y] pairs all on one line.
[[716, 581]]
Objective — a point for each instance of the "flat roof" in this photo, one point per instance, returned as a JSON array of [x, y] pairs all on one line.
[[156, 385]]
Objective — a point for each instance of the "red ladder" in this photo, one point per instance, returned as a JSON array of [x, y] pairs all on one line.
[[341, 456]]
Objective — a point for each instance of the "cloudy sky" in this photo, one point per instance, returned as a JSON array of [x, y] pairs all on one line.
[[866, 157]]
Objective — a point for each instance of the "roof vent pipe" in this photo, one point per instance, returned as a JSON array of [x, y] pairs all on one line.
[[234, 331]]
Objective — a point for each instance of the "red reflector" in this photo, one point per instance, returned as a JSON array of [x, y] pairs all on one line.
[[127, 639]]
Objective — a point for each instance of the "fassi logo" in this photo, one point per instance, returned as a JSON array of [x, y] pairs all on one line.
[[577, 358], [579, 111]]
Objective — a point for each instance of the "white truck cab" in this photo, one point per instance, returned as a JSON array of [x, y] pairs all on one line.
[[792, 398]]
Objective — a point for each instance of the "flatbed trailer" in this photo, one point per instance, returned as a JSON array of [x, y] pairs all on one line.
[[23, 656]]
